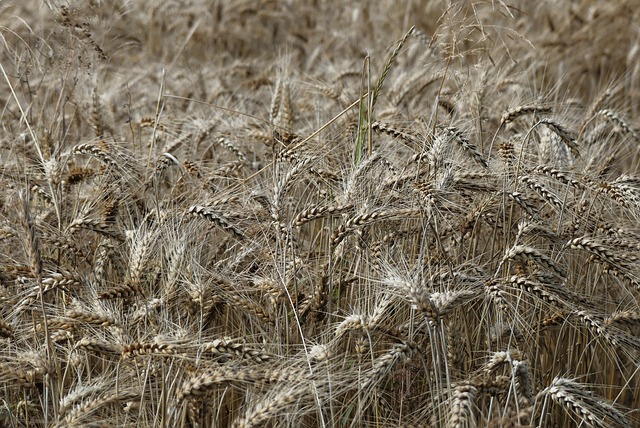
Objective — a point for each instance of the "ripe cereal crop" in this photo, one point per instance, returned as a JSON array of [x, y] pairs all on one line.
[[319, 213]]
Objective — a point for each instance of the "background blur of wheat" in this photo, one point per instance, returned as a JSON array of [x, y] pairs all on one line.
[[201, 225]]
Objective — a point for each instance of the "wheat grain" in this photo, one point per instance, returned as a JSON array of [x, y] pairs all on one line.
[[567, 136], [546, 194], [269, 408], [385, 363], [216, 218], [97, 345], [514, 113], [590, 409], [461, 408]]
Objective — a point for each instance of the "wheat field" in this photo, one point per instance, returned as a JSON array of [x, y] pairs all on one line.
[[314, 213]]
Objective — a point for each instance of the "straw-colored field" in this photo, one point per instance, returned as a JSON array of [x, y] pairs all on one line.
[[320, 213]]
